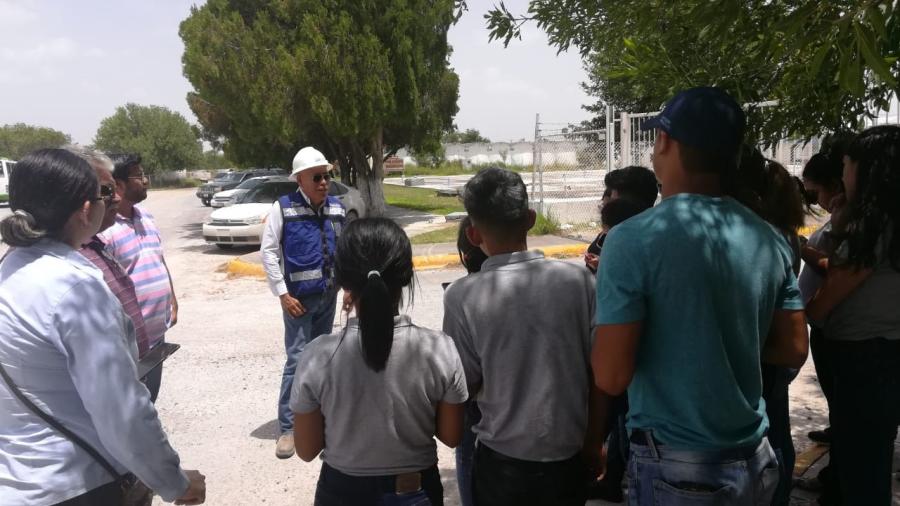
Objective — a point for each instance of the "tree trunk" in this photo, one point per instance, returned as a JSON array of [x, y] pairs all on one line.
[[370, 177]]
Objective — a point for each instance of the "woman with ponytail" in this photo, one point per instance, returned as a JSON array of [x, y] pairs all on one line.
[[375, 394]]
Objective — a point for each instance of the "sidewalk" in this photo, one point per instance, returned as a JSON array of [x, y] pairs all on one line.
[[429, 256]]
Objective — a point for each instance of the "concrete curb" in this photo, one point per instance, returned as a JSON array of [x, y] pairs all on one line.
[[238, 267]]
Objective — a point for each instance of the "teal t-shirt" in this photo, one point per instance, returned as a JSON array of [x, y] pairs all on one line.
[[705, 275]]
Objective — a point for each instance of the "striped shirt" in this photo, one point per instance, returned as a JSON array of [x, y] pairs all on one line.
[[135, 243], [121, 286]]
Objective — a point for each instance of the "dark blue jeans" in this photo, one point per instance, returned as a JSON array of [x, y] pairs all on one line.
[[339, 489], [659, 476], [865, 412], [776, 381], [298, 332], [465, 454]]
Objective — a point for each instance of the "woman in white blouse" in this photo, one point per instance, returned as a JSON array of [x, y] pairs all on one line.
[[63, 349]]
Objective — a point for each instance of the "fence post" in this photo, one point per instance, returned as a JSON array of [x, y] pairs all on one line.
[[610, 138], [624, 141], [536, 164]]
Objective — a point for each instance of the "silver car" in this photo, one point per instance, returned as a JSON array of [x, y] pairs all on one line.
[[242, 223]]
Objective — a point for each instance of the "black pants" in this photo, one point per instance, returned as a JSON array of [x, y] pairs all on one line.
[[865, 413], [336, 488], [618, 449], [104, 495], [499, 480], [822, 361]]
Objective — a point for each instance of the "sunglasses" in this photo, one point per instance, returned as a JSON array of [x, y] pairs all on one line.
[[319, 177], [143, 178], [107, 191]]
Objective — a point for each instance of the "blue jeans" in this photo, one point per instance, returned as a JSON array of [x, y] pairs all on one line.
[[317, 321], [465, 454], [661, 477]]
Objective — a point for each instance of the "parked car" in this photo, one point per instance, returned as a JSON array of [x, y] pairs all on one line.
[[242, 223], [6, 168], [229, 197], [229, 181]]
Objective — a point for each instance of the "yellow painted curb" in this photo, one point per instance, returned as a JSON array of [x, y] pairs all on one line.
[[424, 263], [238, 267]]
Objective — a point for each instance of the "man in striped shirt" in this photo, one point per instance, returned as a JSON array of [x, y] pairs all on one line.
[[135, 243], [95, 251]]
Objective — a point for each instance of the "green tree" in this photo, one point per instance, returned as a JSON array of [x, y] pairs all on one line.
[[470, 135], [213, 160], [356, 79], [19, 139], [826, 63], [163, 138]]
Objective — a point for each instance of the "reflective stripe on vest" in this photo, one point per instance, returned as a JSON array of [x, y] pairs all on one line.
[[306, 275], [294, 212]]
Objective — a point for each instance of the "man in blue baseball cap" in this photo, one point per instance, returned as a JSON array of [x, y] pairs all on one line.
[[691, 294]]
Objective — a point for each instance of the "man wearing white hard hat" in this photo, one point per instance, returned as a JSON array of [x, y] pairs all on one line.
[[297, 250]]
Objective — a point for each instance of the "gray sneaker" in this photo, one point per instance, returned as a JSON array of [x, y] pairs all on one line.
[[284, 447]]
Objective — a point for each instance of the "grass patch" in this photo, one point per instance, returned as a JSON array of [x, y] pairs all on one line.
[[542, 226], [420, 199], [446, 234], [176, 183], [4, 198]]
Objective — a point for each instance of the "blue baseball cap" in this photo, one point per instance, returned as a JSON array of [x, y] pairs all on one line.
[[703, 117]]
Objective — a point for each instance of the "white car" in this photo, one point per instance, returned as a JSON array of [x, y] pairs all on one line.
[[229, 197], [242, 223]]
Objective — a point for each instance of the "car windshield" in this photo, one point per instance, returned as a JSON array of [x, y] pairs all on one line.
[[266, 193], [228, 178], [250, 184]]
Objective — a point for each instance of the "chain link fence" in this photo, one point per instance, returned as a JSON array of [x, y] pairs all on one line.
[[567, 177], [566, 182]]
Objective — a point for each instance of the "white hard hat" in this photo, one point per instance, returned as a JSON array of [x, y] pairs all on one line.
[[308, 158]]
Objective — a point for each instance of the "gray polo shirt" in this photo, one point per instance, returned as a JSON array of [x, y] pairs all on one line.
[[379, 423], [523, 330]]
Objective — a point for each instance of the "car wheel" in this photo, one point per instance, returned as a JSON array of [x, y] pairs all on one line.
[[224, 246], [351, 215], [206, 202]]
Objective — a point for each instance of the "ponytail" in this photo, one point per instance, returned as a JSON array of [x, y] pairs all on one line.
[[20, 230], [376, 321], [374, 261]]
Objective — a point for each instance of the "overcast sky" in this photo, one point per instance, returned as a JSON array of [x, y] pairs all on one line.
[[68, 64]]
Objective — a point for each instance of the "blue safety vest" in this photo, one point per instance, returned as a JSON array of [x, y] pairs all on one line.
[[308, 243]]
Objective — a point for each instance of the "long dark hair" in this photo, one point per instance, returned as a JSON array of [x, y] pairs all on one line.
[[470, 256], [874, 212], [768, 189], [374, 261], [45, 188]]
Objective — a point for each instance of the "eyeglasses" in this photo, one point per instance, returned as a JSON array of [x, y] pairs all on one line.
[[143, 178], [107, 191], [319, 177]]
